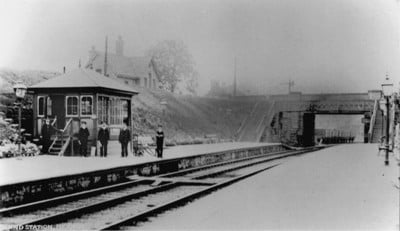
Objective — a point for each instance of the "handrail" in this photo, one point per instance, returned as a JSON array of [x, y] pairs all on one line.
[[263, 122], [265, 116], [244, 122], [55, 139], [60, 136], [372, 122], [64, 147], [65, 144], [54, 121], [67, 125]]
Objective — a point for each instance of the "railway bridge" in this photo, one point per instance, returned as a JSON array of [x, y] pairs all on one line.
[[291, 118]]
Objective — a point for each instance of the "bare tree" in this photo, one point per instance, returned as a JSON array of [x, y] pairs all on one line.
[[174, 63]]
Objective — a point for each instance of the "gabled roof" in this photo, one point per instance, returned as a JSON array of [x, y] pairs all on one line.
[[121, 65], [141, 65], [83, 78]]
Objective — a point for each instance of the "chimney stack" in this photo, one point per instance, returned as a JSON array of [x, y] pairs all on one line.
[[92, 55], [119, 46]]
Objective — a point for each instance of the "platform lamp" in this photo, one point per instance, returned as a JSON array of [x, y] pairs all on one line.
[[20, 91], [387, 90]]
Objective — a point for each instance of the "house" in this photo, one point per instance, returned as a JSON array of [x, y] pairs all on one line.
[[133, 71], [81, 95]]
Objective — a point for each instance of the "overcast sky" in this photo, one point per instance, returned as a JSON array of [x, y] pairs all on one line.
[[323, 45]]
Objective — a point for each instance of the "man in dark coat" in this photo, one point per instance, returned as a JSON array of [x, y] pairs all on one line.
[[124, 138], [103, 138], [47, 131], [83, 137], [159, 141]]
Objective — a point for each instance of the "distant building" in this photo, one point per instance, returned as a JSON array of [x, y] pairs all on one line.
[[133, 71]]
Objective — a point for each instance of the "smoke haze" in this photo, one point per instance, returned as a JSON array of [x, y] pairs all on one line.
[[323, 45]]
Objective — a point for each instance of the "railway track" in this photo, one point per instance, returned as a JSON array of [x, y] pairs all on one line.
[[124, 205]]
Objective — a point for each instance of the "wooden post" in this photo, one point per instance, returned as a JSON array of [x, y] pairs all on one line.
[[131, 121], [34, 117], [95, 119], [71, 138], [62, 139], [19, 129]]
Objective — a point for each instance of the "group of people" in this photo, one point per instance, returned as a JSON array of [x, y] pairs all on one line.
[[125, 137], [103, 137]]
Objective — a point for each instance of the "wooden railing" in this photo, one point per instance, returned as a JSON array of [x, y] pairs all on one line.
[[60, 136], [244, 122], [265, 121], [54, 121], [372, 122], [65, 146], [66, 132]]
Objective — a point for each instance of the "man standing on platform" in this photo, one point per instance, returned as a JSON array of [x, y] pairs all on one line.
[[47, 131], [103, 138], [159, 141], [83, 137], [124, 138]]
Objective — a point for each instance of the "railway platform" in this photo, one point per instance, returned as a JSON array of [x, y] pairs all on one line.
[[344, 187], [36, 178]]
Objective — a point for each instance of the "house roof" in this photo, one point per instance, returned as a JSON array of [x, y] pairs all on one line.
[[83, 78], [121, 65]]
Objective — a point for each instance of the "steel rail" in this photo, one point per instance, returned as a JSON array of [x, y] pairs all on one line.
[[186, 171], [173, 203], [267, 159], [64, 216], [93, 192], [70, 214]]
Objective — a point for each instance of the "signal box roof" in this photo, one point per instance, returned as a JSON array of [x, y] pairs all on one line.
[[84, 78]]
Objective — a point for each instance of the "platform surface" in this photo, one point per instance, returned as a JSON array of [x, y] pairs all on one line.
[[41, 167], [346, 187]]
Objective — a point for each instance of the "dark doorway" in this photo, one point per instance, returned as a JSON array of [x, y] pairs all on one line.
[[58, 109], [308, 129], [127, 112]]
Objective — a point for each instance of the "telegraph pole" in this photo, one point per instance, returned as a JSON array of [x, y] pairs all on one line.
[[234, 80], [290, 85], [105, 57]]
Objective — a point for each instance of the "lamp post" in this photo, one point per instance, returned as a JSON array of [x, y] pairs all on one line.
[[20, 91], [387, 90]]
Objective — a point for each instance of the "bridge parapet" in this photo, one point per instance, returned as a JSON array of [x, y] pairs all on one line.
[[334, 107], [293, 115], [298, 96]]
